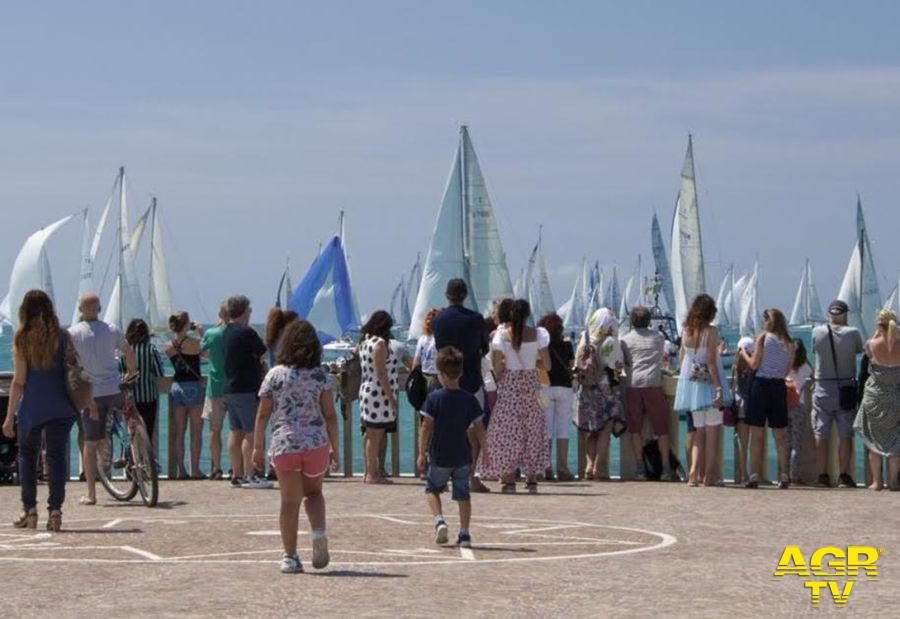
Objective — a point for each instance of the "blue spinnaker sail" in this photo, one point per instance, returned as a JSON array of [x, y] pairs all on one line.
[[324, 296]]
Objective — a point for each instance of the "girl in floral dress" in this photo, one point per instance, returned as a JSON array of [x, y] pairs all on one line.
[[299, 394]]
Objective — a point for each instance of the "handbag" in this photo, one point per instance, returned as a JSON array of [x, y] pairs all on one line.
[[700, 372], [793, 396], [78, 383], [416, 388], [847, 394]]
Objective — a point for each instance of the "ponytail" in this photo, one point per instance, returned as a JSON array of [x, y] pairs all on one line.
[[891, 333], [520, 313]]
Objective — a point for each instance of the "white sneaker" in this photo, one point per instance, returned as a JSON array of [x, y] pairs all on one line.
[[255, 483], [320, 554], [291, 564], [440, 533]]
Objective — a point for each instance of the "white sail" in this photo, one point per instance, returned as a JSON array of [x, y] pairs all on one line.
[[446, 258], [859, 289], [807, 309], [725, 316], [614, 294], [893, 300], [574, 308], [543, 294], [414, 281], [30, 271], [749, 324], [688, 275], [633, 293], [487, 260], [661, 260], [159, 296], [343, 235], [126, 301], [519, 287]]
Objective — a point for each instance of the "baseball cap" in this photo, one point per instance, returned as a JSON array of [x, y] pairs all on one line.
[[838, 307]]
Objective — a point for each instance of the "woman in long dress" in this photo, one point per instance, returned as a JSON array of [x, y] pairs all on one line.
[[517, 434], [878, 419]]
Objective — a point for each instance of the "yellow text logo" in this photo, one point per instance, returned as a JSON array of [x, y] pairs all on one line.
[[830, 571]]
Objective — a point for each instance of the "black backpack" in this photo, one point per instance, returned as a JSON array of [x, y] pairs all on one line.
[[653, 461], [416, 388]]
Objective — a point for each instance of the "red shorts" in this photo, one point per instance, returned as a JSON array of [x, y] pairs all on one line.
[[650, 402], [313, 463]]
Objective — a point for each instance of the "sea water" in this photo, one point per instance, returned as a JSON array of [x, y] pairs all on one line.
[[405, 425]]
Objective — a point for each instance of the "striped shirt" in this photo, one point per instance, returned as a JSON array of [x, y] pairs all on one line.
[[776, 358], [149, 368]]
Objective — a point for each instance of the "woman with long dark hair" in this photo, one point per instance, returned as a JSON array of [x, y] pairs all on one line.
[[517, 435], [276, 321], [702, 391], [39, 399], [186, 393], [772, 356], [149, 366], [378, 390]]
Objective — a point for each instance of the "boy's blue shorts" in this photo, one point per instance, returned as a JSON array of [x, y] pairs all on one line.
[[438, 476]]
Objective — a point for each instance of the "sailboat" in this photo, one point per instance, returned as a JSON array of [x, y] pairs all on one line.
[[893, 300], [285, 286], [859, 289], [633, 294], [661, 260], [126, 301], [399, 307], [573, 312], [614, 294], [598, 295], [414, 281], [749, 323], [324, 296], [688, 274], [159, 295], [726, 302], [90, 244], [807, 308], [31, 270], [465, 243]]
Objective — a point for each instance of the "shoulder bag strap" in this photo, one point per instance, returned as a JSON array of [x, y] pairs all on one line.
[[833, 353]]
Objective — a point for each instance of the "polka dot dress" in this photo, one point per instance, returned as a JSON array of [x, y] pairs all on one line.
[[373, 402]]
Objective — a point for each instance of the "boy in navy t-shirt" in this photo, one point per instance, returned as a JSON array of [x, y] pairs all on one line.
[[448, 414]]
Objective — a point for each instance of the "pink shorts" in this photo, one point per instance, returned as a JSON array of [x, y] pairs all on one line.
[[313, 463]]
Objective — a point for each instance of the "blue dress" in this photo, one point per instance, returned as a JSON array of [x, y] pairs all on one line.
[[45, 397], [692, 395]]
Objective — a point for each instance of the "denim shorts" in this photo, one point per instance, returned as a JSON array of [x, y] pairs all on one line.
[[438, 476], [241, 411], [187, 393]]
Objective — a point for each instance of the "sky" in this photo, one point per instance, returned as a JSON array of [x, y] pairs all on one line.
[[254, 124]]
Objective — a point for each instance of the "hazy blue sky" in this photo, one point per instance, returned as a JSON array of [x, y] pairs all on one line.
[[254, 123]]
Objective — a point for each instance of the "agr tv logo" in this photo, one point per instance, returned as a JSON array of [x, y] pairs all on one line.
[[837, 568]]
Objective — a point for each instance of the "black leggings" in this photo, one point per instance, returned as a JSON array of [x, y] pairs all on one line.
[[147, 411]]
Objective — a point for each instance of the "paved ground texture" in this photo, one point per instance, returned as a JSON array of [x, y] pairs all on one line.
[[579, 549]]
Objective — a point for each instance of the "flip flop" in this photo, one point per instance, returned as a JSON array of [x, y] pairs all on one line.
[[87, 501]]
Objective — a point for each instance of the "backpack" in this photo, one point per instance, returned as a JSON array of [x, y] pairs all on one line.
[[653, 461], [350, 378], [416, 388]]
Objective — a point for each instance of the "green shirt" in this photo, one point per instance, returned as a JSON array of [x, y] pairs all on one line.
[[212, 342]]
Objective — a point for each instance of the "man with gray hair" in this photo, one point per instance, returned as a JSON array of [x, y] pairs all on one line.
[[99, 345], [243, 351], [836, 346]]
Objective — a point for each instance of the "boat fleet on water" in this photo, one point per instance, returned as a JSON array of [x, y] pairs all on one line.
[[465, 244]]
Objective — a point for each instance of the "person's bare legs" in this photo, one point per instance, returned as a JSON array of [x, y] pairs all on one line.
[[235, 440], [562, 457], [822, 455], [711, 456], [601, 464], [465, 514], [876, 465], [698, 446], [844, 455], [90, 467], [382, 456], [247, 454], [782, 449], [215, 436], [894, 472], [290, 484], [637, 446], [314, 502], [590, 450], [743, 433], [689, 450], [195, 415], [179, 417], [756, 450], [664, 449], [375, 437]]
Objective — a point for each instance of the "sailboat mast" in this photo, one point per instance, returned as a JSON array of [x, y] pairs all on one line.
[[464, 211], [151, 294], [122, 226]]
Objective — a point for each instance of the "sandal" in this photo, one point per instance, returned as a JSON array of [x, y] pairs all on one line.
[[85, 500], [54, 522], [217, 474], [28, 519]]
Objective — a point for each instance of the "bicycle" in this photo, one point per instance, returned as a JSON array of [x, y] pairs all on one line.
[[125, 462]]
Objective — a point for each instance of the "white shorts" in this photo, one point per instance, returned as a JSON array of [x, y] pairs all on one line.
[[559, 411], [707, 418]]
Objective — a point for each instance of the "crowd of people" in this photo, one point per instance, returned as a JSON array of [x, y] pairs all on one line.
[[501, 389]]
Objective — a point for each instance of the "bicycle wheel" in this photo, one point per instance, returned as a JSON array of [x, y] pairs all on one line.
[[113, 465], [145, 472]]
